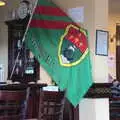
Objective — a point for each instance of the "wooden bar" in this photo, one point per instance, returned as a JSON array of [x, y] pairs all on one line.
[[97, 90]]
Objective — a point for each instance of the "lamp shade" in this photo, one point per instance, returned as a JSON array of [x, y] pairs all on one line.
[[2, 3]]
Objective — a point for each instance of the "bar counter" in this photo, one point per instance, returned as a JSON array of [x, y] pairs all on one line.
[[97, 90], [33, 99], [5, 86]]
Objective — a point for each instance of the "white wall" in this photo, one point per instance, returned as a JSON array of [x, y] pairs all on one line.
[[5, 14], [4, 48], [101, 22], [102, 109], [87, 109], [93, 20]]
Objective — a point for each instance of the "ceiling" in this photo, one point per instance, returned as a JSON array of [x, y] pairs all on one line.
[[11, 3], [6, 11], [114, 6]]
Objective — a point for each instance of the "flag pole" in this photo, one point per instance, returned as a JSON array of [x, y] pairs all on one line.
[[23, 40]]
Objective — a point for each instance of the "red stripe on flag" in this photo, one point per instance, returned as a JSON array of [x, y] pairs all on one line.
[[49, 24], [48, 10]]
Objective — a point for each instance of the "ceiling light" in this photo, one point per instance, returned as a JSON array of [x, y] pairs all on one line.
[[2, 3]]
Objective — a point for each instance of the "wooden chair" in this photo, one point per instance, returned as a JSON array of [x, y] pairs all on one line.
[[51, 105], [12, 104]]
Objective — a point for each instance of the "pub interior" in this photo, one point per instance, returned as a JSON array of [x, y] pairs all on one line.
[[27, 92], [23, 94]]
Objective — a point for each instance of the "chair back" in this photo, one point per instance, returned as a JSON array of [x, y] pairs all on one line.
[[51, 105], [12, 104]]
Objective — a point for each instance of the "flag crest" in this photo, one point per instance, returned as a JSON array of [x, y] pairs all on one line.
[[73, 46]]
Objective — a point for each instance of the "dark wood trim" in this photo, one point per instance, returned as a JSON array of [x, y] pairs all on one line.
[[76, 113], [99, 90]]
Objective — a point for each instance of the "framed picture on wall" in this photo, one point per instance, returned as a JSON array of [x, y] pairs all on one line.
[[102, 42]]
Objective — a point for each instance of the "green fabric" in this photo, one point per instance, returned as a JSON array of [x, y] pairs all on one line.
[[44, 44], [82, 80], [54, 18], [45, 3]]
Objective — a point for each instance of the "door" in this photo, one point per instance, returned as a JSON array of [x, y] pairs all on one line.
[[118, 51]]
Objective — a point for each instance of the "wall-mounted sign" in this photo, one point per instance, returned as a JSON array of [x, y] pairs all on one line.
[[101, 42]]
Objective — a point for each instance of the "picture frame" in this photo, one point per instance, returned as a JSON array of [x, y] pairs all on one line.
[[102, 38]]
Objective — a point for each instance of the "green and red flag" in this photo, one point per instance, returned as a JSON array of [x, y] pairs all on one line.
[[61, 47]]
